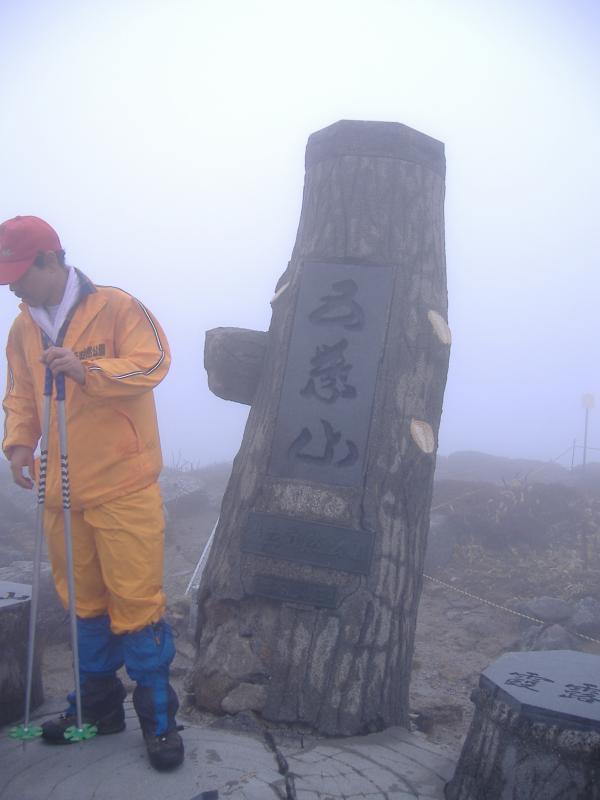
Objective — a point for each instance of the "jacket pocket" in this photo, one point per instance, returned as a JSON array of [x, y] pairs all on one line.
[[129, 443]]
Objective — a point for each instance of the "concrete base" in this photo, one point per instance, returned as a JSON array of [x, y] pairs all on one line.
[[392, 765]]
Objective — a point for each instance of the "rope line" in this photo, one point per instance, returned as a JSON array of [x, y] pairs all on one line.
[[504, 608]]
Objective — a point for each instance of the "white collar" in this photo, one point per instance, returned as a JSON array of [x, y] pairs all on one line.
[[69, 298]]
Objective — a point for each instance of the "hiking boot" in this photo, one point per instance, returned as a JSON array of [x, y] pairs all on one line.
[[148, 654], [53, 731], [164, 751], [101, 705]]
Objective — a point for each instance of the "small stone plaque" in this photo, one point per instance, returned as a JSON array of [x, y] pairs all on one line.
[[557, 687], [340, 321], [303, 542], [13, 593], [292, 591]]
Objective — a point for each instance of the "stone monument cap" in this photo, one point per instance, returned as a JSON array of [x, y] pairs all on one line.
[[556, 687], [375, 139]]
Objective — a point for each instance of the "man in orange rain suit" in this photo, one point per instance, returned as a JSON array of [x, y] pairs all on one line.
[[113, 353]]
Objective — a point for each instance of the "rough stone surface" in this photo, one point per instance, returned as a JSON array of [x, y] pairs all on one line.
[[519, 748], [233, 358], [504, 759], [586, 617], [334, 647], [553, 637], [14, 630], [548, 609], [245, 697], [53, 621]]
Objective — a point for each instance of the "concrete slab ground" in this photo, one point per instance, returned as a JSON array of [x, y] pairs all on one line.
[[220, 763]]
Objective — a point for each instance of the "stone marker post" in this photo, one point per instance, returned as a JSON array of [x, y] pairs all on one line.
[[535, 732], [15, 599], [308, 603]]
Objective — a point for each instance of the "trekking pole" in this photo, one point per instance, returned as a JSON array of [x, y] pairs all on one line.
[[25, 731], [80, 732]]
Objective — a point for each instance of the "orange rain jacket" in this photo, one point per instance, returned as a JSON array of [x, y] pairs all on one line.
[[112, 433]]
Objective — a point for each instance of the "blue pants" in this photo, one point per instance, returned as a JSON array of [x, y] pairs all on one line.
[[146, 654]]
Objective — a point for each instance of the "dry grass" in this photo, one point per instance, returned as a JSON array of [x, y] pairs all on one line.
[[524, 540]]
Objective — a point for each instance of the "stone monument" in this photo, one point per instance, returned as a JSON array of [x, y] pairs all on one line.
[[308, 602], [535, 732]]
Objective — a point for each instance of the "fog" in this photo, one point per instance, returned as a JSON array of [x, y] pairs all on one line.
[[165, 142]]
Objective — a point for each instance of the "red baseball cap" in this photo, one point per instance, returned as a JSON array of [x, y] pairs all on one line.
[[21, 239]]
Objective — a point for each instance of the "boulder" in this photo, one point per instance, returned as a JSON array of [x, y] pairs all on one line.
[[586, 617], [554, 637], [245, 697], [548, 609]]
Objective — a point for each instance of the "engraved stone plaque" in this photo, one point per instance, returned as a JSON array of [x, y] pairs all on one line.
[[337, 339], [294, 591], [303, 542], [557, 687]]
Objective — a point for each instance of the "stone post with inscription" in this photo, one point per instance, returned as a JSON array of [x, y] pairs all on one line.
[[308, 602], [535, 732]]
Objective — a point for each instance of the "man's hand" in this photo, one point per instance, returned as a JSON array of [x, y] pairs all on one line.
[[22, 458], [62, 360]]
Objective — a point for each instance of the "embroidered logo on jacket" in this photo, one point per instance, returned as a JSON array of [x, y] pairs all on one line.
[[93, 351]]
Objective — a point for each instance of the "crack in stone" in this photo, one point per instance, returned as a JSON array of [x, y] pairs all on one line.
[[410, 787], [413, 760], [282, 766]]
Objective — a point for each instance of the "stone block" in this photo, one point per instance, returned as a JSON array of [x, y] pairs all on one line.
[[15, 599], [535, 732]]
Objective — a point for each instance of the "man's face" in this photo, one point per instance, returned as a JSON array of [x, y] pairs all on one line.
[[37, 286]]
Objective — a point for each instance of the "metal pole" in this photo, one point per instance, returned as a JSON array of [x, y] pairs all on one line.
[[585, 435], [39, 535], [26, 731], [197, 576], [587, 401], [66, 496], [573, 454], [194, 584]]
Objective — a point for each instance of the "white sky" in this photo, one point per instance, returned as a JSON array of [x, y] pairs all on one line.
[[165, 143]]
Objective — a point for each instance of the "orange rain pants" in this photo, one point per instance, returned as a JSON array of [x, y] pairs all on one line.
[[118, 557]]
